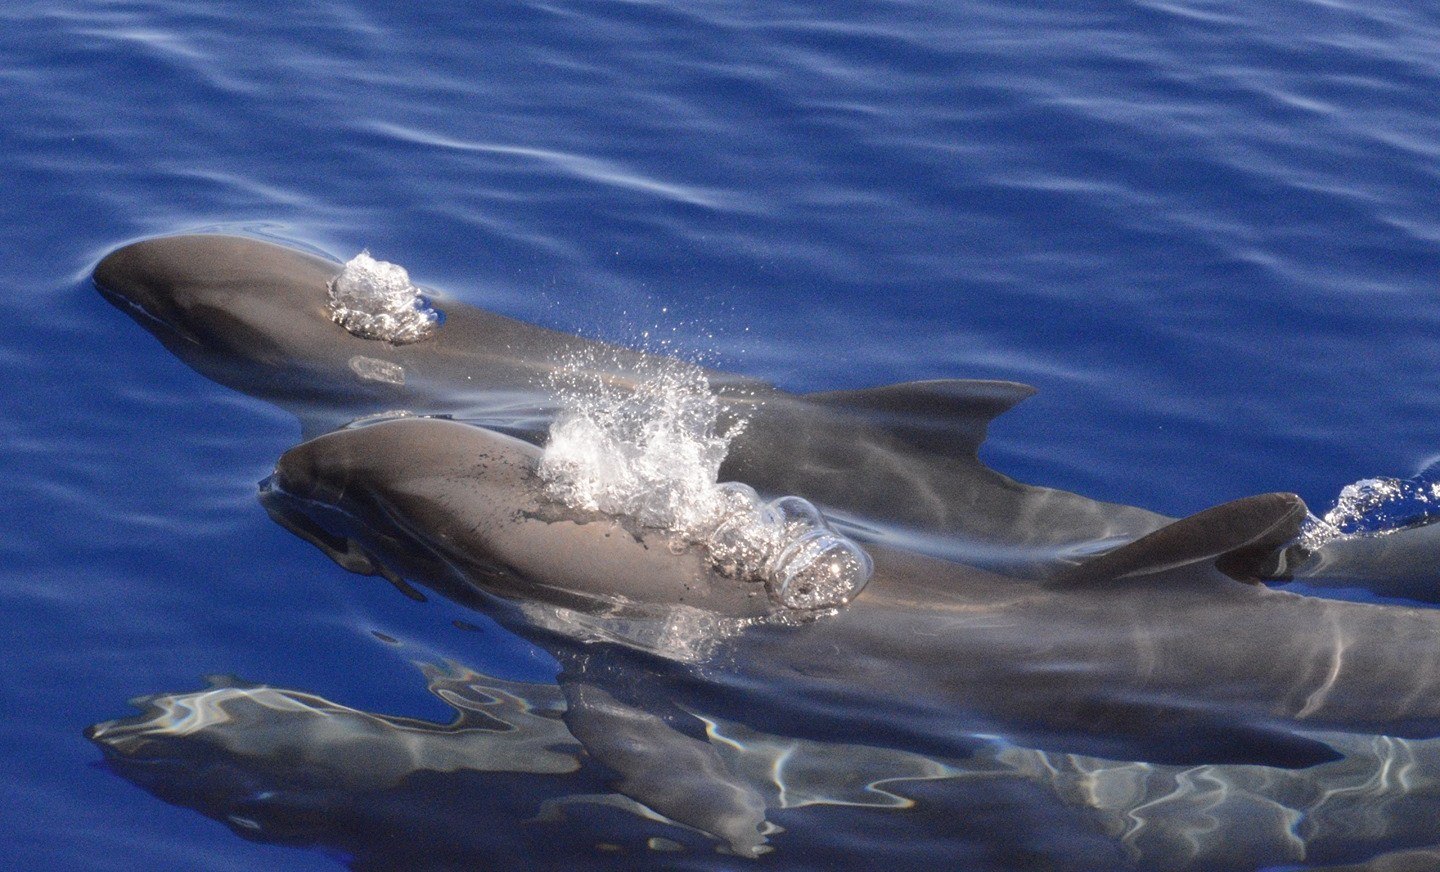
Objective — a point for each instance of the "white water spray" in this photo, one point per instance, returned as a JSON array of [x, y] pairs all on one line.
[[651, 450], [1375, 507]]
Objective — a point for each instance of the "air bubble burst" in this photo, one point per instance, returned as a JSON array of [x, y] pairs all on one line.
[[374, 299], [650, 448]]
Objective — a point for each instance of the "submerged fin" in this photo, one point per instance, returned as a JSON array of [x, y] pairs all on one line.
[[939, 415], [683, 778], [1244, 537]]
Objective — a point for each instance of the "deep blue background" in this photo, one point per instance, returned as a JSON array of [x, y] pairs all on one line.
[[1209, 232]]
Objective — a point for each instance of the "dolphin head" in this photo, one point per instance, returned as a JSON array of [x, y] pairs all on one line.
[[251, 315], [451, 504], [223, 292]]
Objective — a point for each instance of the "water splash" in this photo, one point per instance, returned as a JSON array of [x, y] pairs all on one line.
[[1376, 507], [650, 448], [374, 299]]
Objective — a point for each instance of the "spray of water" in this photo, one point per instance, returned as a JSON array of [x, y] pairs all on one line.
[[374, 299], [1376, 507], [650, 449]]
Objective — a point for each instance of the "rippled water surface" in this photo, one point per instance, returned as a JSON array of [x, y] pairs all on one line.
[[1208, 232]]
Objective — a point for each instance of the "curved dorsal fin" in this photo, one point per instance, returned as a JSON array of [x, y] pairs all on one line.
[[940, 415], [1243, 537]]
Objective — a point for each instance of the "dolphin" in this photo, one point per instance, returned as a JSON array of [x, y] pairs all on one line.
[[390, 793], [255, 316], [1166, 661]]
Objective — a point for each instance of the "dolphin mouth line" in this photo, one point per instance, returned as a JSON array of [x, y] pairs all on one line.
[[121, 301]]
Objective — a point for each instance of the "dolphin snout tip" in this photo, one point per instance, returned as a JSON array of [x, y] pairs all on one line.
[[155, 281], [135, 275], [102, 734], [113, 272]]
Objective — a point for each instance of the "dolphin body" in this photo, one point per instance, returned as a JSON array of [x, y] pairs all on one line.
[[390, 793], [505, 786], [1168, 660], [255, 316], [1149, 657]]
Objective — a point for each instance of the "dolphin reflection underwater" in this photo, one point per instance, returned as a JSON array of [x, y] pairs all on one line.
[[996, 614]]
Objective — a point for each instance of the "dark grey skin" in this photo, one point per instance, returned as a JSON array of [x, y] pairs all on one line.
[[1174, 662], [254, 316]]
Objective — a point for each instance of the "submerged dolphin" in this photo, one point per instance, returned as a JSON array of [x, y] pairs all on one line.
[[1155, 656], [256, 317], [390, 793], [285, 766], [279, 765]]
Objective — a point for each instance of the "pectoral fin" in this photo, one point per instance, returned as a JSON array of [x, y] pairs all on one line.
[[1244, 537]]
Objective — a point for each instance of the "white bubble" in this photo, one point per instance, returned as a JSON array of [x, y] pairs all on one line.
[[374, 299], [797, 514], [821, 569], [371, 369]]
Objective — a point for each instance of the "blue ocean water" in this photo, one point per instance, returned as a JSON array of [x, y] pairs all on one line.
[[1208, 232]]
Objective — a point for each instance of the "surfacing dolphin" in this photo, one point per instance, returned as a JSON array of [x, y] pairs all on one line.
[[1159, 657], [257, 317]]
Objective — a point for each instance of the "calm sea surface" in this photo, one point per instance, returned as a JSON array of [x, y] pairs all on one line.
[[1208, 232]]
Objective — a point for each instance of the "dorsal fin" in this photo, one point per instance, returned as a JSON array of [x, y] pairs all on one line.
[[1243, 537], [940, 415]]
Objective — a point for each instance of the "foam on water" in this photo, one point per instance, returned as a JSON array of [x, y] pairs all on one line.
[[651, 449], [375, 299], [1375, 507]]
